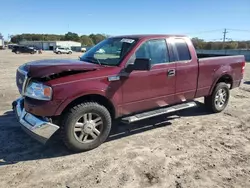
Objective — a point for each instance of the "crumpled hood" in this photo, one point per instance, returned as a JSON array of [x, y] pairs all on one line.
[[47, 67]]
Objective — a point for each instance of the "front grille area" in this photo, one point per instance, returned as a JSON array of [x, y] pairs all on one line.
[[20, 80]]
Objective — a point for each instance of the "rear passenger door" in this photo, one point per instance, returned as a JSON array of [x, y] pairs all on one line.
[[24, 49], [64, 50], [61, 50], [186, 70]]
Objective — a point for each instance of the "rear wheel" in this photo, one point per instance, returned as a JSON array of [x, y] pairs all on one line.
[[86, 126], [59, 52], [17, 52], [218, 101], [69, 52]]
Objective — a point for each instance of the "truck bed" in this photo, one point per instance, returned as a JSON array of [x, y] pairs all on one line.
[[212, 68]]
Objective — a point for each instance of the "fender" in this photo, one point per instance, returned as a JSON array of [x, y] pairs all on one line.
[[114, 100], [224, 70]]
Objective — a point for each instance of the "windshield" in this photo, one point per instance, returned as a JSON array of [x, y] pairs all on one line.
[[109, 52]]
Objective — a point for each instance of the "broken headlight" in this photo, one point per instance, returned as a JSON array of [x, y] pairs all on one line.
[[38, 91]]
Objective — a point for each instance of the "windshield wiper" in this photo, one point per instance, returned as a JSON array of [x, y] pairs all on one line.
[[95, 60]]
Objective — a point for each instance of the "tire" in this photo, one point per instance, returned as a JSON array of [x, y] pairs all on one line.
[[69, 52], [58, 52], [213, 102], [72, 139], [17, 52]]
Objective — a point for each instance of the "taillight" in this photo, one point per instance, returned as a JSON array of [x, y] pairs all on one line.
[[243, 67]]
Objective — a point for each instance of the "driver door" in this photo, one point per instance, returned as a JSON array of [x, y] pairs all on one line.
[[135, 85], [144, 90]]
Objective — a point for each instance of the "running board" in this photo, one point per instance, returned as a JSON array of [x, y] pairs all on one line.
[[158, 112]]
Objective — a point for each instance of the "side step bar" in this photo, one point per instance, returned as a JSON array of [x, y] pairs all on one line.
[[158, 112]]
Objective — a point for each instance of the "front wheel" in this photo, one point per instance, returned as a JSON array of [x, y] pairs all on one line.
[[86, 126], [218, 101]]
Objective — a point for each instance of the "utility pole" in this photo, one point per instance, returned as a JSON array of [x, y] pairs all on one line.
[[224, 38]]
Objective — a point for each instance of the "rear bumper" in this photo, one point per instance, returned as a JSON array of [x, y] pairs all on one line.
[[37, 127]]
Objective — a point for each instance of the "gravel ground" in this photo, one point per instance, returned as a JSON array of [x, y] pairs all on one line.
[[191, 148]]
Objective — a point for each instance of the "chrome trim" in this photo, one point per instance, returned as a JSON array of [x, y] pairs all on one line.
[[24, 85], [157, 112], [22, 71], [40, 128], [26, 80], [113, 78]]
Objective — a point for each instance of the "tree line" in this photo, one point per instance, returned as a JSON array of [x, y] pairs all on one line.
[[201, 44], [92, 39], [86, 40]]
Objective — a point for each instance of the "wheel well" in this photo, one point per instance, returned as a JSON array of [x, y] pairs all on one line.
[[94, 98], [226, 79]]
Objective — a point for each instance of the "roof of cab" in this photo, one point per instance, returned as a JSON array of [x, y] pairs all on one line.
[[148, 36]]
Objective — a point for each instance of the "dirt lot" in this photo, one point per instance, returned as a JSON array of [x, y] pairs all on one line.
[[189, 149]]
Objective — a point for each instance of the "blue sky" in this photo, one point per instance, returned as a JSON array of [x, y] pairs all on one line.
[[116, 17]]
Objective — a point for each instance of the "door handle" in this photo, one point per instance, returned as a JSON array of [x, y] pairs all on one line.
[[171, 72]]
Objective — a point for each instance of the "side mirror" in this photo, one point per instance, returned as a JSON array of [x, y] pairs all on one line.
[[140, 64]]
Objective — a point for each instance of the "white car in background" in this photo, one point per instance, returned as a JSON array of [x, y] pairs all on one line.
[[63, 50], [83, 49], [100, 51]]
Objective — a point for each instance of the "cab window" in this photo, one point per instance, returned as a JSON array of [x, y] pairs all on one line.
[[155, 49], [181, 50]]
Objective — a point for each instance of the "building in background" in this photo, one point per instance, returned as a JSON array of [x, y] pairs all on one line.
[[51, 45], [1, 42]]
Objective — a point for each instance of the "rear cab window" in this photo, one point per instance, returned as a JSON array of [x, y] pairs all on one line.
[[181, 50]]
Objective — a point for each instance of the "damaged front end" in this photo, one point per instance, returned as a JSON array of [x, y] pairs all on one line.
[[31, 81], [59, 75], [39, 128]]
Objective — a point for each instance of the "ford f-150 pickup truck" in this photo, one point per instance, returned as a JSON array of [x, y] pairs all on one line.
[[151, 75]]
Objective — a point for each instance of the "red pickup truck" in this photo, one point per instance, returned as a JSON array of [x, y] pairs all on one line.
[[127, 77]]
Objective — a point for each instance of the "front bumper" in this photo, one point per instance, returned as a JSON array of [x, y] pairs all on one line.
[[37, 127]]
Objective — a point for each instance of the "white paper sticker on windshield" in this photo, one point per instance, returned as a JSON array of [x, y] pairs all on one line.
[[128, 40]]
